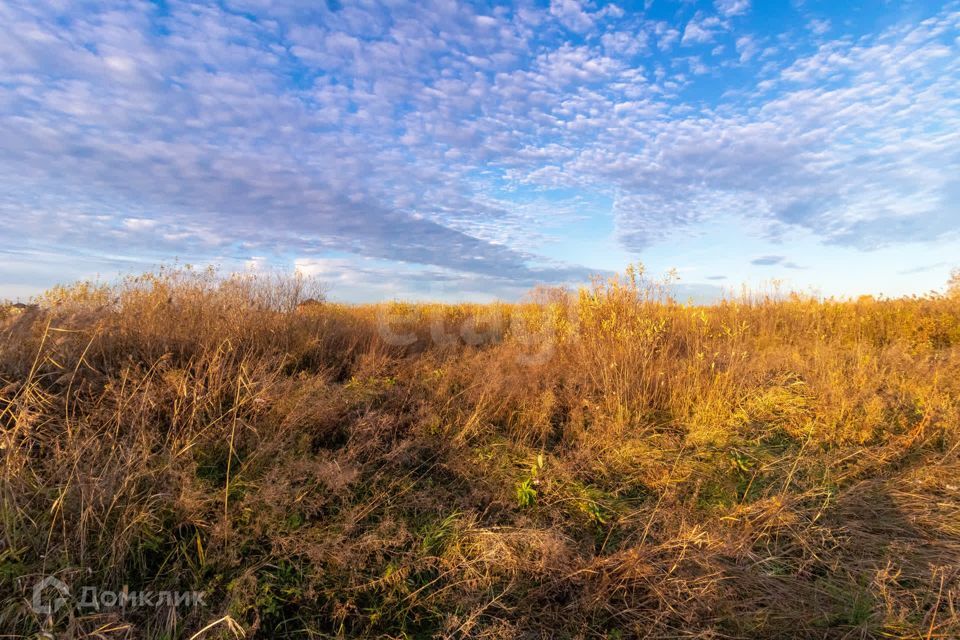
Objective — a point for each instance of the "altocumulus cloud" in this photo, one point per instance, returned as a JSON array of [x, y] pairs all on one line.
[[459, 137]]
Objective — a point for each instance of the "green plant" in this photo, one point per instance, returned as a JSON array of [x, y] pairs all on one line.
[[525, 492]]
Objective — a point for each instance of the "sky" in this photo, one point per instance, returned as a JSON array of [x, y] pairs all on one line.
[[465, 150]]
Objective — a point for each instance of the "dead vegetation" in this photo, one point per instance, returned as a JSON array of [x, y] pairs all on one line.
[[604, 464]]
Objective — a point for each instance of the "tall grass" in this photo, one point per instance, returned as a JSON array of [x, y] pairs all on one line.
[[606, 463]]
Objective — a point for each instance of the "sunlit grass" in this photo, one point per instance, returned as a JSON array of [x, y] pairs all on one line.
[[602, 463]]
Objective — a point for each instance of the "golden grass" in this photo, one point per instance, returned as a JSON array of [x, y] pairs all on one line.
[[603, 464]]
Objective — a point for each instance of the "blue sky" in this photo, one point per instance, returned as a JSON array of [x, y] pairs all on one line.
[[441, 149]]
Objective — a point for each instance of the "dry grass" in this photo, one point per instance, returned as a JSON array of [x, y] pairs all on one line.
[[608, 464]]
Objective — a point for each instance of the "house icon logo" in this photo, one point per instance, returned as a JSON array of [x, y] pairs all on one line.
[[42, 591]]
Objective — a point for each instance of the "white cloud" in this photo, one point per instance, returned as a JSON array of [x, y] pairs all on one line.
[[701, 29], [731, 8], [819, 26], [139, 224], [572, 15], [747, 48]]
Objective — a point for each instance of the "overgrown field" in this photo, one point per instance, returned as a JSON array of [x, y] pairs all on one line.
[[604, 464]]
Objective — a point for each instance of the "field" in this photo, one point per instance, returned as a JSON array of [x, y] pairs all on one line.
[[606, 463]]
